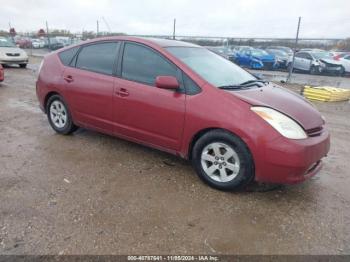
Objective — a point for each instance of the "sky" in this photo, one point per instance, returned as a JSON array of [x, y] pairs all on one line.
[[227, 18]]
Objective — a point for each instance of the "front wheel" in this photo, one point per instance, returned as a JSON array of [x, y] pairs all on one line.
[[59, 116], [341, 72], [314, 70], [223, 161]]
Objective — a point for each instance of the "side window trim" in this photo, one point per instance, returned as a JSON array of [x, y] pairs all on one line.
[[115, 64]]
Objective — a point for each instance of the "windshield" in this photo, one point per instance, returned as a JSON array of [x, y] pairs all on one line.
[[320, 55], [213, 68], [6, 43], [257, 52], [277, 52]]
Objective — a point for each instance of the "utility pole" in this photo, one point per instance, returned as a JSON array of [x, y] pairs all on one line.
[[48, 37], [174, 31], [13, 40], [295, 48], [97, 29]]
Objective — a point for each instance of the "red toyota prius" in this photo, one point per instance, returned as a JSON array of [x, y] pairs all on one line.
[[185, 100]]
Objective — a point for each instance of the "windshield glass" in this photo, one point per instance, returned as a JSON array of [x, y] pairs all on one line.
[[277, 52], [213, 68], [320, 55], [257, 52], [6, 43]]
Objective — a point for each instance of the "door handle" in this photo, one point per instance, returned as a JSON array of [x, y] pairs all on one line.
[[68, 79], [123, 92]]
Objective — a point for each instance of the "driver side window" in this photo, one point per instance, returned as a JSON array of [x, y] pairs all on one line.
[[143, 65]]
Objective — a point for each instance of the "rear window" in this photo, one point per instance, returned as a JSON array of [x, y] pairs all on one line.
[[67, 56], [98, 58]]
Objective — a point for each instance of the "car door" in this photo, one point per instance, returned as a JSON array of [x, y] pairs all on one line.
[[141, 111], [246, 57], [307, 62], [90, 85], [298, 61]]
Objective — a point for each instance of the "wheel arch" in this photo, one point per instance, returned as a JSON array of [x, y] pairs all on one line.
[[47, 97], [202, 132]]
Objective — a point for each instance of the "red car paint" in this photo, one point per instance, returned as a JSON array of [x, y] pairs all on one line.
[[2, 75], [170, 121]]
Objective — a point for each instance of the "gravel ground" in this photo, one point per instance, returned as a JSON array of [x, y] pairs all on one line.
[[94, 194]]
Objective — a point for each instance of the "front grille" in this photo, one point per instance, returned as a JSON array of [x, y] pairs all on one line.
[[314, 131], [12, 54]]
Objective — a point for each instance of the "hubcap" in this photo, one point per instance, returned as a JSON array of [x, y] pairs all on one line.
[[58, 114], [220, 162]]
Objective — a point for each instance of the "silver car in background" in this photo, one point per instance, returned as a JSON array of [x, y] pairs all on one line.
[[317, 62]]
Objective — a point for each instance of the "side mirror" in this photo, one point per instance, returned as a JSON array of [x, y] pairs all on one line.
[[167, 82]]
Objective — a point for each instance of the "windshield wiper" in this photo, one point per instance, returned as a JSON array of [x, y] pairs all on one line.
[[232, 87], [253, 82], [244, 85]]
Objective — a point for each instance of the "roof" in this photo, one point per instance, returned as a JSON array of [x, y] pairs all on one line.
[[167, 42], [157, 41]]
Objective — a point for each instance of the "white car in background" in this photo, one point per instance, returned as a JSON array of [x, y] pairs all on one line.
[[11, 54], [38, 43], [317, 62]]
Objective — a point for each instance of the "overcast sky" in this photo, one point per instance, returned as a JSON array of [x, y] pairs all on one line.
[[232, 18]]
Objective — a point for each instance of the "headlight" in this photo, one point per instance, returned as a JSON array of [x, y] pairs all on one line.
[[286, 126]]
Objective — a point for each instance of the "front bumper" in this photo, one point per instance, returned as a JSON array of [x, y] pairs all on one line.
[[287, 161], [18, 60], [331, 70]]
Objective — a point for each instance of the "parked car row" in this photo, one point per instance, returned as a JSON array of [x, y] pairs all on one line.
[[313, 61], [53, 43]]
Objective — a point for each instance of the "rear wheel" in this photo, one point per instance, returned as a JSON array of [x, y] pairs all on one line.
[[59, 116], [22, 65], [223, 161]]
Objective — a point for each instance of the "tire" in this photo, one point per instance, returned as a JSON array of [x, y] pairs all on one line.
[[59, 116], [22, 65], [231, 168], [341, 72], [314, 70]]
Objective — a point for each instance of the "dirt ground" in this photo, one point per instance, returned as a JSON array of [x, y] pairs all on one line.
[[93, 194]]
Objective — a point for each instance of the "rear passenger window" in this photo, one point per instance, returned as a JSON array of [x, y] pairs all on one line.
[[67, 56], [141, 64], [98, 58]]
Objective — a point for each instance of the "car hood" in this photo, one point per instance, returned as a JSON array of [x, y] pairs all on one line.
[[285, 101], [11, 50], [330, 61]]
